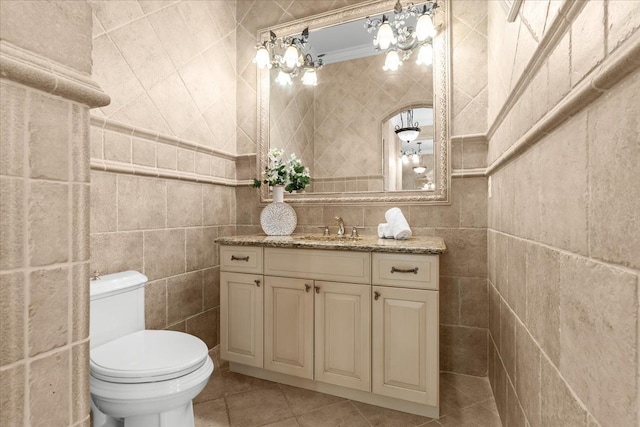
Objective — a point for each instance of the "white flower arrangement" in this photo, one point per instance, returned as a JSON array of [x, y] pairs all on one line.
[[289, 173]]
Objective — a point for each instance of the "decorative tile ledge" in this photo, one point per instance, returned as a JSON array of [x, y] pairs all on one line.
[[38, 72]]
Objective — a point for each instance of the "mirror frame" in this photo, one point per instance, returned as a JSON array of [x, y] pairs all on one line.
[[441, 95]]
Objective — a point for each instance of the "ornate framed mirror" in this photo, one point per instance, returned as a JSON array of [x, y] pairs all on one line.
[[344, 128]]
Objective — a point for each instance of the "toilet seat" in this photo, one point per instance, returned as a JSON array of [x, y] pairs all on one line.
[[148, 356]]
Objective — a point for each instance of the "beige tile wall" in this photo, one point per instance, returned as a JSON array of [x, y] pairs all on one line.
[[44, 219], [291, 118], [563, 247], [462, 224], [346, 135], [170, 70]]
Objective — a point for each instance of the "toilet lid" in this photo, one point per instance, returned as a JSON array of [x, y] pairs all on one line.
[[148, 356]]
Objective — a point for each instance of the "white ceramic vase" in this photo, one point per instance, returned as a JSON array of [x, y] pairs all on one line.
[[278, 218]]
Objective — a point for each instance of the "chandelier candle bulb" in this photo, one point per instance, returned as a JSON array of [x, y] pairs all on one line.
[[392, 62], [310, 78], [262, 58], [385, 38], [425, 55], [291, 57], [284, 79], [424, 28]]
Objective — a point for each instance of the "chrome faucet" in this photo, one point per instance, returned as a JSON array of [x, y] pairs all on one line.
[[340, 226]]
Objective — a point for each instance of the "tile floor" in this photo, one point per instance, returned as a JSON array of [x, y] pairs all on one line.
[[232, 399]]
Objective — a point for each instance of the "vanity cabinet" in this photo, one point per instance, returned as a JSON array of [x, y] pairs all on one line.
[[405, 344], [343, 334], [318, 329], [241, 305], [356, 324], [405, 325], [241, 318], [288, 326]]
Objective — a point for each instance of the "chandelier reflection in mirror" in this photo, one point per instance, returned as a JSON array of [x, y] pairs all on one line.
[[408, 131], [399, 39], [286, 54]]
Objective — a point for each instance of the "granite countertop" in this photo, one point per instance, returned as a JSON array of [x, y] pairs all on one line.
[[413, 245]]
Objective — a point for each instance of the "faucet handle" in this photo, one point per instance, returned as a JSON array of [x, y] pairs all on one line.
[[340, 226], [354, 231], [325, 230]]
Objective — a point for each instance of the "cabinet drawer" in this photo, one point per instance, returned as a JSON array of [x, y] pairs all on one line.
[[405, 270], [241, 259], [333, 266]]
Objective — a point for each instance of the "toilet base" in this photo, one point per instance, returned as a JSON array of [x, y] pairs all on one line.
[[181, 416]]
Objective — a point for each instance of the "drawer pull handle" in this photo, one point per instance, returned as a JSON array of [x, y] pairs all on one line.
[[376, 295], [240, 258], [404, 270], [307, 287], [257, 282], [317, 288]]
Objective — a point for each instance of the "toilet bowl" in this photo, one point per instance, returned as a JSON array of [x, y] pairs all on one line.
[[138, 377]]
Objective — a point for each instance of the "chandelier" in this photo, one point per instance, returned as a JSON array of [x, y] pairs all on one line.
[[408, 131], [399, 39], [416, 158], [286, 55]]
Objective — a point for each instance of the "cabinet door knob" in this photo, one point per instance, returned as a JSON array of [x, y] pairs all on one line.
[[257, 282], [307, 287], [317, 288], [376, 295]]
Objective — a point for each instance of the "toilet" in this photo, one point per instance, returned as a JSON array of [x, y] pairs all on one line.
[[139, 377]]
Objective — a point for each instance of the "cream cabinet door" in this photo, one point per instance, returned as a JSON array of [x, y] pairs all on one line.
[[405, 344], [343, 334], [288, 328], [241, 299]]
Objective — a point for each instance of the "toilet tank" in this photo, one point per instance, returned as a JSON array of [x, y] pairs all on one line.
[[117, 306]]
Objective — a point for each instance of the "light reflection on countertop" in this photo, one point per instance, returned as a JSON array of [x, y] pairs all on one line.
[[413, 245]]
